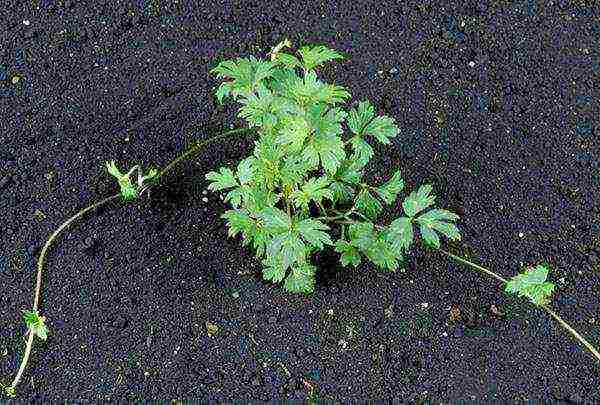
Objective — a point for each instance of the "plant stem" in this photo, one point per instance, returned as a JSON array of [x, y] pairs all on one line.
[[565, 325], [194, 149], [40, 268]]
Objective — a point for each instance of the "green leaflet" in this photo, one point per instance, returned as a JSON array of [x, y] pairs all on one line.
[[313, 56], [328, 149], [382, 254], [363, 152], [359, 118], [301, 279], [245, 170], [532, 284], [400, 234], [349, 253], [293, 133], [418, 200], [311, 231], [286, 249], [246, 74], [362, 234], [309, 90], [36, 324], [362, 121], [389, 190], [221, 180], [315, 189], [382, 128], [373, 244], [275, 221], [368, 205]]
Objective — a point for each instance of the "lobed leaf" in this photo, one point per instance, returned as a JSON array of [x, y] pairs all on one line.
[[532, 284], [313, 56], [221, 180], [400, 234], [418, 200], [311, 231], [389, 190], [367, 204], [301, 279], [275, 221], [382, 128], [349, 253], [360, 117], [315, 189]]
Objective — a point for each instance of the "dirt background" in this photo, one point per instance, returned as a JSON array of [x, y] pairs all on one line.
[[498, 107]]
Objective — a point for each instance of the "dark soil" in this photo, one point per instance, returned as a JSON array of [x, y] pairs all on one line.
[[509, 141]]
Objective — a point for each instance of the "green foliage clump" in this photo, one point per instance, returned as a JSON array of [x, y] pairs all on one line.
[[305, 174]]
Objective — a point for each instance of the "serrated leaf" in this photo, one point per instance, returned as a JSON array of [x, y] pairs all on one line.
[[389, 190], [238, 221], [400, 234], [301, 279], [418, 200], [360, 117], [274, 273], [368, 205], [245, 170], [313, 56], [294, 131], [275, 221], [362, 235], [430, 237], [381, 253], [349, 253], [532, 284], [363, 152], [287, 60], [311, 231], [223, 91], [329, 149], [246, 73], [341, 193], [315, 189], [221, 180], [434, 220], [382, 128]]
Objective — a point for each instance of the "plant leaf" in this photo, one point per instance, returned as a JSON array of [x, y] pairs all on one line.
[[220, 181], [362, 235], [36, 324], [349, 253], [389, 190], [400, 234], [418, 200], [430, 237], [532, 284], [383, 128], [311, 231], [301, 279], [275, 221], [274, 273], [315, 189], [360, 117], [381, 253], [313, 56], [368, 205]]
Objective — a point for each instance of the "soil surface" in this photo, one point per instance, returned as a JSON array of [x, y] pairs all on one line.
[[498, 105]]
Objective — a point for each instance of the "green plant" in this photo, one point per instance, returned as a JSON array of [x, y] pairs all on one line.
[[303, 178]]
